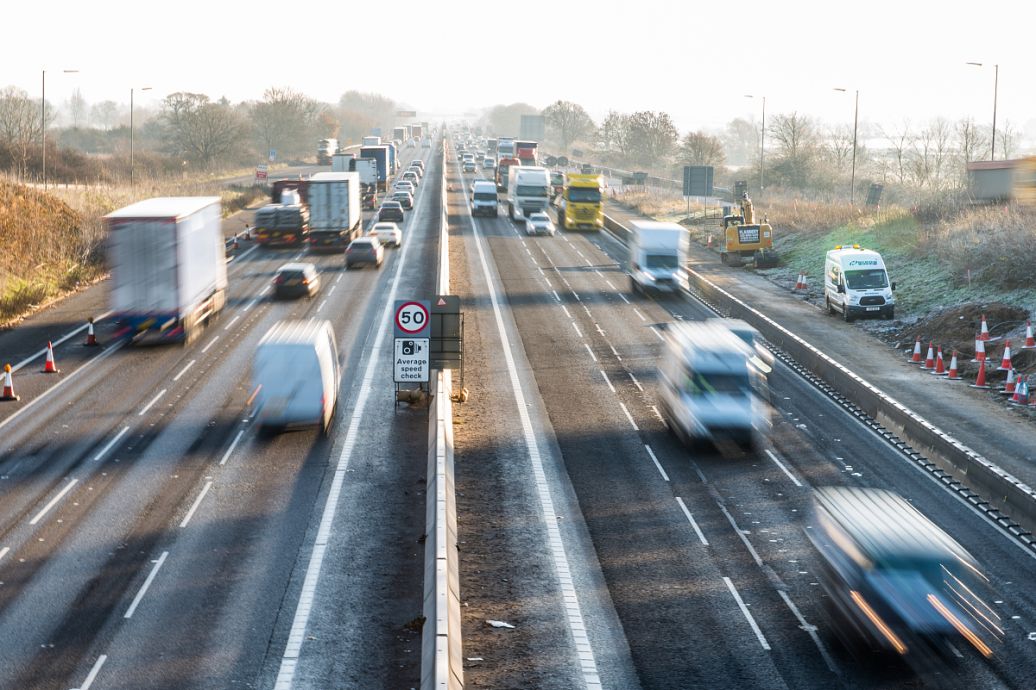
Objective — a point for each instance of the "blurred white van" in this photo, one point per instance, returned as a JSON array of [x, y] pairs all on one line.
[[296, 375]]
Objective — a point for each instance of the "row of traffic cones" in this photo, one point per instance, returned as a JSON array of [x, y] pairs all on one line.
[[49, 366], [983, 334]]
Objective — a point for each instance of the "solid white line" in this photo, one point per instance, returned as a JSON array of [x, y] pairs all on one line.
[[197, 502], [232, 322], [153, 401], [607, 380], [785, 469], [636, 382], [623, 297], [748, 616], [4, 551], [578, 332], [629, 417], [238, 258], [111, 443], [566, 311], [737, 530], [657, 414], [232, 447], [59, 341], [690, 518], [811, 630], [592, 355], [92, 676], [211, 343], [657, 464], [54, 501], [184, 370], [642, 317], [297, 634], [147, 583]]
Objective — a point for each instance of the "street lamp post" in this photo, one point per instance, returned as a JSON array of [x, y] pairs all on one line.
[[762, 143], [856, 121], [43, 119], [144, 88], [996, 86]]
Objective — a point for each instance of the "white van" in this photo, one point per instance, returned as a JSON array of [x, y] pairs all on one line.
[[857, 284], [710, 386], [296, 375], [657, 256], [484, 199]]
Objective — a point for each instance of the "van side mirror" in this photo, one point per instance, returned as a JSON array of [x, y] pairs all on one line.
[[841, 289], [893, 285]]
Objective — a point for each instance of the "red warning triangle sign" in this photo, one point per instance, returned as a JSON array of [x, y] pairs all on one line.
[[441, 302]]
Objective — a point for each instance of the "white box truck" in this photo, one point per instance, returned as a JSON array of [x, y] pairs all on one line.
[[341, 162], [371, 141], [334, 210], [657, 256], [856, 283], [484, 199], [168, 265], [528, 191]]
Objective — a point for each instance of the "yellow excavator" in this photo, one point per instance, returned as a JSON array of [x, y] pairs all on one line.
[[747, 240]]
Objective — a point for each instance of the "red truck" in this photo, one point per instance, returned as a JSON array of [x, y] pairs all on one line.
[[501, 172]]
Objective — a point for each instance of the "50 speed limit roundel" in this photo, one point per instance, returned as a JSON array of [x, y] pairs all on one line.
[[412, 318]]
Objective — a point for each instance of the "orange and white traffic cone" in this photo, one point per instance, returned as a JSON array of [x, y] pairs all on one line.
[[984, 331], [800, 282], [1021, 394], [980, 350], [91, 339], [1010, 385], [1030, 341], [980, 380], [940, 365], [929, 360], [953, 374], [916, 357], [50, 367], [1005, 363], [8, 385]]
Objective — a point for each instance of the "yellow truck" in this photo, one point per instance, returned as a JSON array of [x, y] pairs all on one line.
[[581, 206]]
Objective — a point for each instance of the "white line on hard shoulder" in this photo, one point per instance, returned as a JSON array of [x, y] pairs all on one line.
[[657, 463], [783, 468], [147, 583], [211, 343], [607, 380], [578, 332], [694, 524], [153, 401], [111, 444], [94, 670], [635, 381], [197, 502], [184, 370], [748, 615], [587, 310], [592, 355], [232, 447], [629, 417], [54, 501], [737, 530]]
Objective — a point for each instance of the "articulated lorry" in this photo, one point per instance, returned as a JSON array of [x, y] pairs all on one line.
[[380, 154], [502, 172], [528, 191], [334, 210], [168, 266], [525, 151], [582, 203]]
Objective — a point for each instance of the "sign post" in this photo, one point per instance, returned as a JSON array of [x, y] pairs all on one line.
[[412, 326], [260, 172]]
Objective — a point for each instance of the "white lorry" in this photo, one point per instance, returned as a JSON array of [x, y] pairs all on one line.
[[168, 265], [371, 141], [528, 191], [484, 199], [856, 283], [334, 210], [657, 256]]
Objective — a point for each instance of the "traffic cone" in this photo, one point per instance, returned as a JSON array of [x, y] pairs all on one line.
[[953, 374], [1010, 385], [916, 357], [929, 360], [984, 331], [1005, 363], [91, 339], [980, 380], [800, 282], [940, 365], [1030, 342], [980, 350], [1021, 394], [8, 385], [50, 367]]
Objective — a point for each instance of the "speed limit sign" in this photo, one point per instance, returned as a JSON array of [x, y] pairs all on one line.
[[412, 319]]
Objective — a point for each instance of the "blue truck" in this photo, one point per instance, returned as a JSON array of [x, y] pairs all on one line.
[[381, 154]]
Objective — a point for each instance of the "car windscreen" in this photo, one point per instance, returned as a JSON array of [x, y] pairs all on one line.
[[870, 279], [530, 190], [485, 196], [581, 195], [717, 383], [660, 261]]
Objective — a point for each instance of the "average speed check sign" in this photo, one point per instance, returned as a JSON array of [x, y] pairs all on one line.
[[412, 319]]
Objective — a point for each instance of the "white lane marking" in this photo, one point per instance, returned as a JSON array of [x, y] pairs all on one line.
[[657, 464], [331, 291], [637, 311], [197, 502], [783, 468], [657, 334], [576, 295], [657, 414], [615, 352], [264, 290], [609, 284], [636, 382], [566, 311], [573, 611], [694, 524], [297, 634], [147, 583], [556, 296], [338, 280], [737, 530], [748, 615], [211, 343], [607, 380], [111, 444], [59, 341], [592, 355], [623, 297], [578, 332], [92, 675], [232, 322], [250, 305], [238, 258], [54, 501], [232, 447], [322, 303], [587, 310], [601, 331], [4, 551], [153, 401], [812, 631], [184, 370], [629, 417]]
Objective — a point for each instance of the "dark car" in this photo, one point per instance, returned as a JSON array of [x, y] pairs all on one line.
[[364, 250], [296, 280], [391, 210], [404, 198]]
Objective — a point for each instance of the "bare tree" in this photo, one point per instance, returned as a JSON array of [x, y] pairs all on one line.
[[797, 139], [970, 143], [19, 124], [698, 148], [653, 137], [921, 157], [1006, 137], [288, 121], [899, 144], [105, 114], [359, 112], [506, 120], [569, 122], [615, 134], [200, 130], [741, 141], [77, 108], [838, 147]]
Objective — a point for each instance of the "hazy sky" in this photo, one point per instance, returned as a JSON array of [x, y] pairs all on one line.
[[906, 57]]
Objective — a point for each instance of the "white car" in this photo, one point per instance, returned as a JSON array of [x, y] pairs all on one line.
[[539, 224], [387, 233], [488, 163], [404, 186]]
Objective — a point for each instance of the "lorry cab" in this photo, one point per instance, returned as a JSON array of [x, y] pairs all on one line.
[[657, 256], [856, 283]]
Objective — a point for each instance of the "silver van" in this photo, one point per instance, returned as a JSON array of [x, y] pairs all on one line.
[[296, 376]]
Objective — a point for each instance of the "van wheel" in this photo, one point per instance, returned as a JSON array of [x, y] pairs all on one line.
[[845, 314], [830, 309]]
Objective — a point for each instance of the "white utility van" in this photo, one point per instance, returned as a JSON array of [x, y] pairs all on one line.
[[710, 386], [657, 256], [857, 284], [484, 198], [296, 375]]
